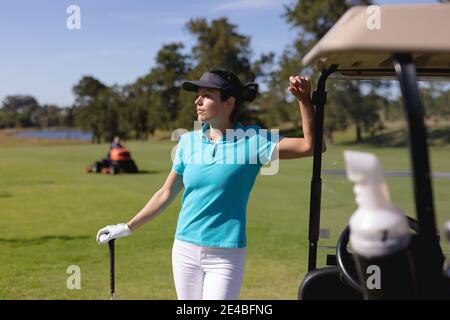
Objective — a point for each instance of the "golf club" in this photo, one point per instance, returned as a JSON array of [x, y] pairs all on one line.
[[111, 268]]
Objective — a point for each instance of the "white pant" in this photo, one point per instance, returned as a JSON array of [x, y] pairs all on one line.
[[207, 273]]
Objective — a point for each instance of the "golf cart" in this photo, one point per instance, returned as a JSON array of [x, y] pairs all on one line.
[[413, 42], [118, 161]]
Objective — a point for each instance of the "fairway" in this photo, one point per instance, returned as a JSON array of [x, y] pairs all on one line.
[[51, 211]]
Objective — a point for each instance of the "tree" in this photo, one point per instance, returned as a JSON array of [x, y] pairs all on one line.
[[7, 119], [153, 100], [89, 105], [164, 84], [219, 44], [68, 117], [19, 103], [276, 110], [47, 116], [336, 118], [313, 19], [435, 99], [25, 111], [18, 111], [443, 100], [363, 110], [134, 118]]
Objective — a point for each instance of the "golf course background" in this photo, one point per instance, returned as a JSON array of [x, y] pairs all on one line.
[[51, 211]]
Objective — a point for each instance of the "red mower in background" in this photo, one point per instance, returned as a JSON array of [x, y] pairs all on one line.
[[118, 161]]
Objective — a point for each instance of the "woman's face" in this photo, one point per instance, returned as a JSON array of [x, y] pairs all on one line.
[[210, 106]]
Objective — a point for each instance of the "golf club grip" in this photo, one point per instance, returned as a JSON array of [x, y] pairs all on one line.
[[111, 267]]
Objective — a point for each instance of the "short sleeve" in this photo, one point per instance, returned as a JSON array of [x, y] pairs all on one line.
[[178, 162], [267, 141]]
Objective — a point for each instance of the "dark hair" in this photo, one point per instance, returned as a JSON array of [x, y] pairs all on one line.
[[236, 89]]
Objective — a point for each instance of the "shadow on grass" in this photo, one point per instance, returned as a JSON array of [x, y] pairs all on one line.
[[41, 240], [5, 195], [391, 139], [148, 172], [129, 173], [440, 136], [141, 172]]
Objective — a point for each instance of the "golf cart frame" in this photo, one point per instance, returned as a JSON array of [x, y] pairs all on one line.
[[400, 49]]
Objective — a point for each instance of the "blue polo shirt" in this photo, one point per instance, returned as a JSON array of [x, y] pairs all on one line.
[[218, 177]]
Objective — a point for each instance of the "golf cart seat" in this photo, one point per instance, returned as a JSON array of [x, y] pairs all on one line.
[[404, 42]]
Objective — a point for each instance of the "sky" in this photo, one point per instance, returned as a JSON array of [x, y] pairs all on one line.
[[118, 40]]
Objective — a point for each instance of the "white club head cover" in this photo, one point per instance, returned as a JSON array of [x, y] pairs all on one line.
[[113, 232]]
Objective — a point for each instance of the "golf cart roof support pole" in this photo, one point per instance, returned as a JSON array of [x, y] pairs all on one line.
[[319, 98], [429, 267], [406, 73]]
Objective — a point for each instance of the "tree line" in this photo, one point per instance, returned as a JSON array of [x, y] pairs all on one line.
[[155, 101]]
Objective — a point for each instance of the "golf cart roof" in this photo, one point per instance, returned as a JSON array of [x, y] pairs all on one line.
[[360, 50]]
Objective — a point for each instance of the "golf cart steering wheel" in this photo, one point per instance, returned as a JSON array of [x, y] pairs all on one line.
[[345, 261]]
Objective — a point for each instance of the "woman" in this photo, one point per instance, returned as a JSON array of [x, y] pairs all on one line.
[[217, 167]]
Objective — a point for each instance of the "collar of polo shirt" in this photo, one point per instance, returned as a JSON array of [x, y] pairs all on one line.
[[206, 126]]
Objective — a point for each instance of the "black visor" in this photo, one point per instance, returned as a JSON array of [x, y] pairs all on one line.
[[207, 80]]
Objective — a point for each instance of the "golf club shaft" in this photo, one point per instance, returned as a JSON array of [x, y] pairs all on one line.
[[111, 268]]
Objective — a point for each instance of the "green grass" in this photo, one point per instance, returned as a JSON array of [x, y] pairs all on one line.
[[51, 211]]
